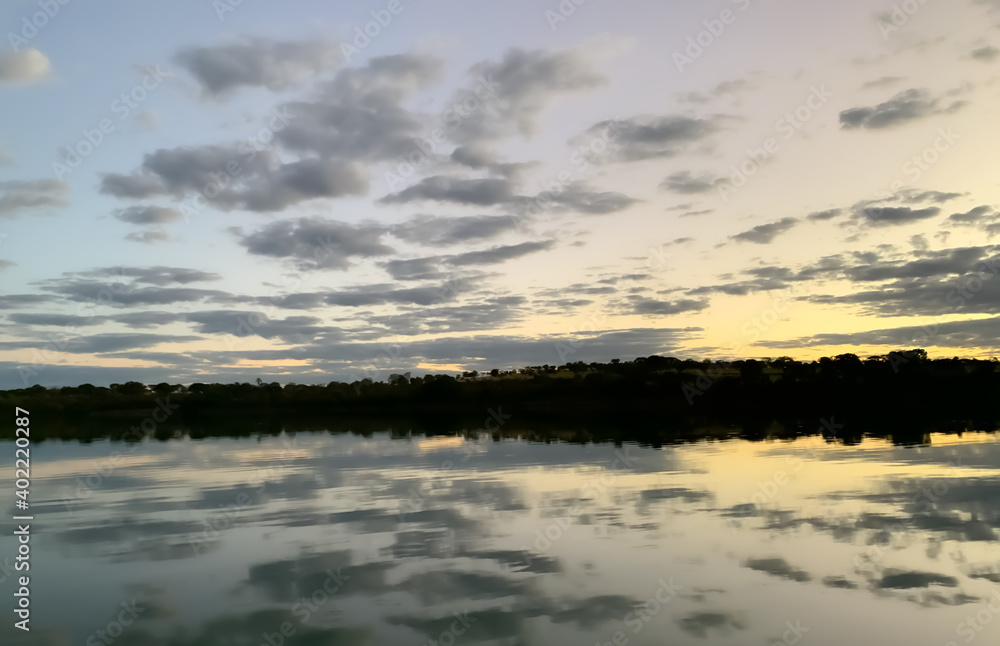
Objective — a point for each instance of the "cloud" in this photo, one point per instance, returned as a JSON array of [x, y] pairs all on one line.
[[359, 115], [978, 215], [822, 216], [778, 567], [21, 195], [499, 254], [292, 329], [148, 215], [987, 54], [439, 188], [520, 87], [688, 183], [148, 237], [641, 138], [577, 198], [904, 107], [26, 66], [651, 307], [233, 179], [882, 216], [881, 82], [438, 231], [766, 233], [4, 264], [977, 333], [414, 269], [316, 243], [257, 62]]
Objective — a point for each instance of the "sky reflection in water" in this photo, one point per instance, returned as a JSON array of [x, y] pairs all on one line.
[[346, 539]]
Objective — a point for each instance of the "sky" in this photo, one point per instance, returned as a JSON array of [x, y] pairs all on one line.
[[304, 192]]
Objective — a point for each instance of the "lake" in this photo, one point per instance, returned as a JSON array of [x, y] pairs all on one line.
[[377, 538]]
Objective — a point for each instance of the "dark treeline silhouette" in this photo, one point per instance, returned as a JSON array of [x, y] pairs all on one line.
[[904, 389]]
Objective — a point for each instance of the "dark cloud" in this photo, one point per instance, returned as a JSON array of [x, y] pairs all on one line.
[[292, 329], [881, 82], [821, 216], [778, 567], [689, 183], [518, 89], [316, 243], [902, 580], [904, 107], [439, 188], [21, 195], [641, 138], [579, 199], [233, 178], [766, 233], [499, 254], [257, 62], [701, 624], [359, 115], [978, 215], [977, 333], [987, 54], [102, 343], [415, 268], [881, 216], [651, 307], [148, 215], [438, 231]]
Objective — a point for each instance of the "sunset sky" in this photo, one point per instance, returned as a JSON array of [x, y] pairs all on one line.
[[305, 192]]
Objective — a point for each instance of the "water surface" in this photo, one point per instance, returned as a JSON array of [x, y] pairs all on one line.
[[352, 539]]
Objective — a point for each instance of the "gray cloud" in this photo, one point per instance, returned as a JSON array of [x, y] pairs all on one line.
[[21, 195], [257, 62], [439, 188], [148, 237], [881, 216], [906, 106], [641, 138], [987, 54], [316, 243], [359, 115], [148, 215], [766, 233], [821, 216], [258, 183], [977, 333], [689, 183], [652, 307], [523, 84], [499, 254], [438, 231]]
